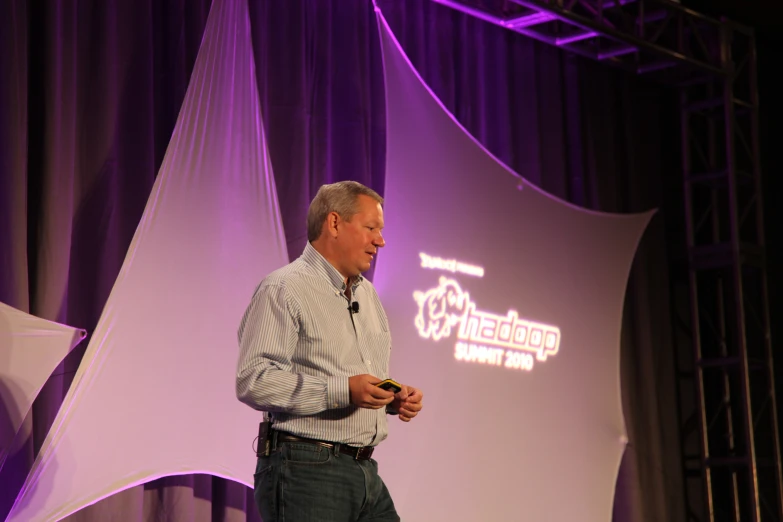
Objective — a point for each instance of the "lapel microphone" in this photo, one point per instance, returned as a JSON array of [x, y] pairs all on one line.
[[354, 307]]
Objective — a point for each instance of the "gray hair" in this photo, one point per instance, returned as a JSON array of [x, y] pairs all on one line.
[[338, 197]]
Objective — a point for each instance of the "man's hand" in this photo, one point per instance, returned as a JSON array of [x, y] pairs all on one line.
[[408, 402], [365, 394]]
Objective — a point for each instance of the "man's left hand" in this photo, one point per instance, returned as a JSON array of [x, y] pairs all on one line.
[[407, 402]]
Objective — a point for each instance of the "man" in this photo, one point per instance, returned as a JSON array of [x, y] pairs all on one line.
[[314, 343]]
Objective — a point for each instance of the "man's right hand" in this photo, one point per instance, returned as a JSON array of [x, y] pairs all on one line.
[[365, 394]]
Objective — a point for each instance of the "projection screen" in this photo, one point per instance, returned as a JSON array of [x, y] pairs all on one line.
[[505, 307]]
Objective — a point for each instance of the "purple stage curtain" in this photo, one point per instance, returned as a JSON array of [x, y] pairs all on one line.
[[89, 94]]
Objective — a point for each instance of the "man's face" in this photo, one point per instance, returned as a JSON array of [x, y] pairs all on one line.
[[360, 238]]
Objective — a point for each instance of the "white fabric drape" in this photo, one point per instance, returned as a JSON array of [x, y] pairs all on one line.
[[30, 349], [154, 394], [507, 432]]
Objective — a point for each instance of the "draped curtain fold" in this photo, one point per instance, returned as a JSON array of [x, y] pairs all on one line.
[[89, 95]]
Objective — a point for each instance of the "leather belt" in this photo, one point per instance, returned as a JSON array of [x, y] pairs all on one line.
[[358, 453]]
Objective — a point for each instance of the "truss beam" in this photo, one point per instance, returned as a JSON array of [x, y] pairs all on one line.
[[643, 36], [735, 410]]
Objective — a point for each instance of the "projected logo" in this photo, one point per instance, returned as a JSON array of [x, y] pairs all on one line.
[[483, 337]]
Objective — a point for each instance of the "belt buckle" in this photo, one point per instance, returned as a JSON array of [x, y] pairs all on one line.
[[363, 453]]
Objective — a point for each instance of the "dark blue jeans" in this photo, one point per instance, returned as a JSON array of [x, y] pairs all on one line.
[[301, 482]]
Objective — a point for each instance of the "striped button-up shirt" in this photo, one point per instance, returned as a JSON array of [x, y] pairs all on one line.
[[299, 344]]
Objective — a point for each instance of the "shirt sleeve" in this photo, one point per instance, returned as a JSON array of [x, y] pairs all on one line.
[[268, 336]]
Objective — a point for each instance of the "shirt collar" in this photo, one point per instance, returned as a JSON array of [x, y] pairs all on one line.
[[313, 257]]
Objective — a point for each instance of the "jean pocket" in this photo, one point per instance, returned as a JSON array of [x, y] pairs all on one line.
[[306, 454], [265, 487], [264, 466]]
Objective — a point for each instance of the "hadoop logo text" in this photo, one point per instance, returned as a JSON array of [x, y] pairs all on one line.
[[483, 337]]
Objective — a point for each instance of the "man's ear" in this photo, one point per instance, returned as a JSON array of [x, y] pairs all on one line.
[[332, 223]]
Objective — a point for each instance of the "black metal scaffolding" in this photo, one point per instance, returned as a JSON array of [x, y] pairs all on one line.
[[728, 411]]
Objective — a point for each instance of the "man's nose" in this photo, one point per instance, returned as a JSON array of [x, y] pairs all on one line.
[[379, 241]]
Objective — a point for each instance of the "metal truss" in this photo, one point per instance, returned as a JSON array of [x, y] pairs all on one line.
[[642, 36], [728, 412], [738, 462]]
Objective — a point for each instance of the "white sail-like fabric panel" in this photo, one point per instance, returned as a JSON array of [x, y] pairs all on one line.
[[505, 307], [154, 394], [30, 350]]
